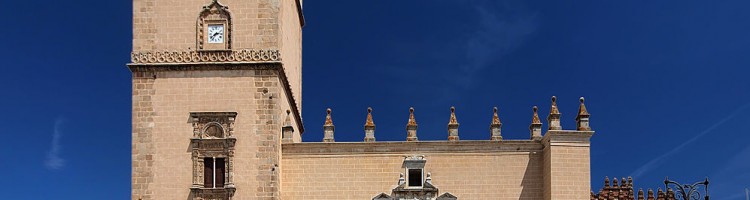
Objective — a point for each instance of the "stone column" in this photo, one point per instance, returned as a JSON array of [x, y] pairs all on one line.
[[196, 170], [230, 168]]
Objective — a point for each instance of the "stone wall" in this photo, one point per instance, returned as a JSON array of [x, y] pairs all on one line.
[[291, 47], [164, 25], [467, 169], [143, 150], [162, 102], [171, 25], [567, 164]]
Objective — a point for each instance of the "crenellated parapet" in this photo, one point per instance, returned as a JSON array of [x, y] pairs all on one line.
[[532, 167], [495, 126], [624, 191]]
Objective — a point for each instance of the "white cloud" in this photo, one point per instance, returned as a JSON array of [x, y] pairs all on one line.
[[730, 181], [658, 161], [53, 160], [456, 63], [504, 28]]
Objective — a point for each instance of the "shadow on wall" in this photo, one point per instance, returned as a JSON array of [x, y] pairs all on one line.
[[532, 178]]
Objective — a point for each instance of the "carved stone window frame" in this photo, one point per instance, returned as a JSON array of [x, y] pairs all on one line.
[[416, 162], [204, 145], [214, 13], [424, 192]]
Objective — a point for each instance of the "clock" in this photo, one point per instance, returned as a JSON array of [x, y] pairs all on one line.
[[213, 28], [216, 33]]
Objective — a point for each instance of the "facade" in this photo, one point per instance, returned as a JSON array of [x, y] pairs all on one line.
[[217, 115]]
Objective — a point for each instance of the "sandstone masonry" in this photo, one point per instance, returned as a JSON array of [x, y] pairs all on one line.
[[216, 105]]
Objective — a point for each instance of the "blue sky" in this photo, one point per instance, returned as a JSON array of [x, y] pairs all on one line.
[[666, 83]]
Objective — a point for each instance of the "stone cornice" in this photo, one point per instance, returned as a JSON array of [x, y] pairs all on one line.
[[156, 67], [403, 147], [204, 56], [567, 138]]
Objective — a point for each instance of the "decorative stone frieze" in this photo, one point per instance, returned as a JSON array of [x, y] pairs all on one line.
[[206, 124], [177, 57], [212, 194]]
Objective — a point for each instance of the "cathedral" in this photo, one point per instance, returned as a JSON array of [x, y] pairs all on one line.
[[216, 115]]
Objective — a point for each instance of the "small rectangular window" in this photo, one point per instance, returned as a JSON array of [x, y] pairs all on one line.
[[208, 172], [213, 172], [219, 172], [415, 177]]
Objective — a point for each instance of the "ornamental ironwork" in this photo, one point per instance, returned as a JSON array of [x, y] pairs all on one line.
[[688, 191]]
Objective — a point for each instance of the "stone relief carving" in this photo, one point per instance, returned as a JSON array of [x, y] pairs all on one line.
[[244, 55], [213, 137], [213, 130], [212, 124], [212, 194]]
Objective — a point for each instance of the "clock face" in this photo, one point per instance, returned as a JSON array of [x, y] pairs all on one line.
[[215, 33]]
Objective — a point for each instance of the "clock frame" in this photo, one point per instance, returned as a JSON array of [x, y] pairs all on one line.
[[214, 14]]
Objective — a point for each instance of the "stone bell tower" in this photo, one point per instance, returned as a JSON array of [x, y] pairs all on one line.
[[214, 83]]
